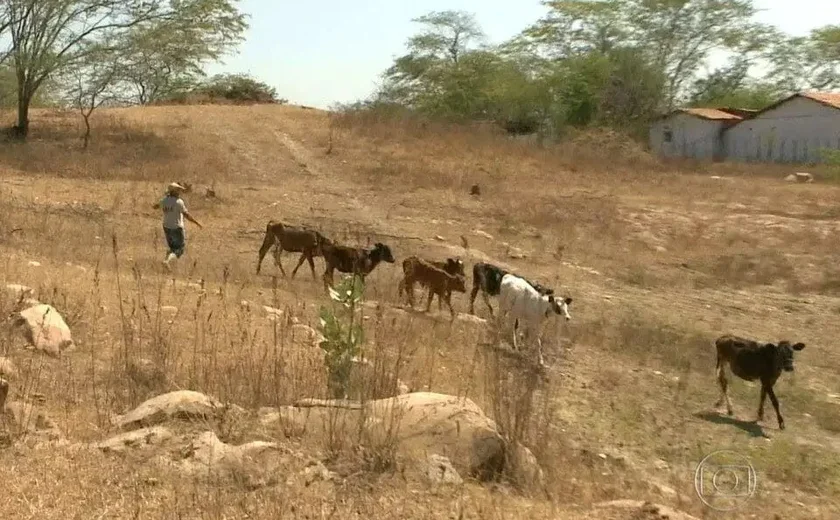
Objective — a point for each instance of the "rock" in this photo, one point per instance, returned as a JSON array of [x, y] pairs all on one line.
[[181, 404], [137, 439], [645, 509], [418, 423], [660, 464], [169, 309], [304, 334], [33, 263], [484, 234], [4, 392], [271, 311], [251, 464], [7, 369], [524, 469], [46, 329], [370, 382], [18, 291], [800, 177], [439, 238], [317, 471], [439, 470], [29, 419], [515, 252]]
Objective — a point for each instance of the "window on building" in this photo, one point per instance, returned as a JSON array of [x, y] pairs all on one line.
[[668, 135]]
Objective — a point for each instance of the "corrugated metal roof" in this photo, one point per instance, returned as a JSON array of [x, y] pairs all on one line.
[[710, 113], [826, 98]]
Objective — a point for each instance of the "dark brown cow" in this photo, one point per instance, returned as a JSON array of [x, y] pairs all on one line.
[[751, 360]]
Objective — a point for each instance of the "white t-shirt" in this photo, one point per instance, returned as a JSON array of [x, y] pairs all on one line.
[[173, 212]]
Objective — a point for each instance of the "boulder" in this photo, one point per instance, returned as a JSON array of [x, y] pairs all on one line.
[[524, 469], [4, 392], [30, 420], [418, 423], [18, 291], [7, 369], [439, 470], [255, 464], [137, 439], [800, 177], [45, 329], [306, 335], [184, 405], [644, 509]]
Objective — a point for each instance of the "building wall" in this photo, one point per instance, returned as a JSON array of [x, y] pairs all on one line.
[[691, 136], [792, 132]]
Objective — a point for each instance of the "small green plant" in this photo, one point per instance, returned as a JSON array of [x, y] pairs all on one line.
[[343, 332], [832, 159]]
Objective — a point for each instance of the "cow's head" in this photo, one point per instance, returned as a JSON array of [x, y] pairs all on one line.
[[560, 306], [784, 353]]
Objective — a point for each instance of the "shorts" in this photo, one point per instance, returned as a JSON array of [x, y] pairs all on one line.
[[176, 240]]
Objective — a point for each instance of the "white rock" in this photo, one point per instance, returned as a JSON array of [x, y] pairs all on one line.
[[137, 439], [181, 404], [7, 368], [45, 329], [439, 470]]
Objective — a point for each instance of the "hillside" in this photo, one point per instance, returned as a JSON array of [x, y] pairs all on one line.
[[659, 259]]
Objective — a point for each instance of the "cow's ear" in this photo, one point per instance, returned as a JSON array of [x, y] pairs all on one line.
[[799, 346], [769, 345], [568, 301]]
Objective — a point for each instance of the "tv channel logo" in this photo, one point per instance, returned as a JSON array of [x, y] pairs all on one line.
[[724, 480]]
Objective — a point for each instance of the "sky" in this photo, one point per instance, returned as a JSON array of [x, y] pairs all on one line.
[[321, 52]]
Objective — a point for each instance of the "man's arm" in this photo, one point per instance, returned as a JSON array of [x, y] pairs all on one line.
[[191, 219]]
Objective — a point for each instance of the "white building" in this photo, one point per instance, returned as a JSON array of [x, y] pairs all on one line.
[[795, 129], [692, 132]]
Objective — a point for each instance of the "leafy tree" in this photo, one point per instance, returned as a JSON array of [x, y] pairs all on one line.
[[732, 86], [238, 87], [49, 36], [92, 83], [675, 36], [804, 63]]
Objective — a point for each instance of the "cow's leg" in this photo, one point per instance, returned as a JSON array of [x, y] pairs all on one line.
[[487, 301], [268, 241], [278, 253], [724, 384], [776, 406], [473, 294], [759, 416]]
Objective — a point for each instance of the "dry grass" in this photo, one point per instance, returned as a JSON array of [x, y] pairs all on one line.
[[659, 258]]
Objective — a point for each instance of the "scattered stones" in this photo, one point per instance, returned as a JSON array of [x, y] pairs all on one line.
[[45, 329]]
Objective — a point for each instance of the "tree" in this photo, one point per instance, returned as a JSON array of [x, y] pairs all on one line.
[[675, 36], [437, 64], [803, 63], [93, 83], [238, 87], [732, 86], [167, 56], [49, 36]]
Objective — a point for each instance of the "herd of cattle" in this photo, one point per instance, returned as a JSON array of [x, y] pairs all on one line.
[[522, 303]]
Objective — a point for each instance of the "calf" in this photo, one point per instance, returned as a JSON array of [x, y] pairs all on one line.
[[297, 239], [355, 260], [488, 279], [441, 278], [751, 360], [521, 303]]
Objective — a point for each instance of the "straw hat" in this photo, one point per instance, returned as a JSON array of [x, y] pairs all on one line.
[[174, 187]]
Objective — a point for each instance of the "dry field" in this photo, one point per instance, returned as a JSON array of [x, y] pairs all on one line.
[[659, 259]]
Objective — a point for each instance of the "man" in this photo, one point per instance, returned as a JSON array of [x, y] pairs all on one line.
[[174, 211]]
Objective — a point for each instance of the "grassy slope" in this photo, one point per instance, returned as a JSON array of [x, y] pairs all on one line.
[[658, 261]]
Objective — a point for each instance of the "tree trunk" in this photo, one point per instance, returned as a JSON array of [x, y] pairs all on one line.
[[21, 129], [87, 130]]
